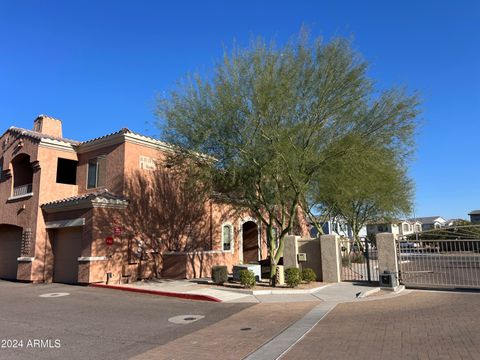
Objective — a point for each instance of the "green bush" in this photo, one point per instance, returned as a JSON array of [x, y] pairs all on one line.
[[293, 277], [247, 278], [308, 275], [219, 274]]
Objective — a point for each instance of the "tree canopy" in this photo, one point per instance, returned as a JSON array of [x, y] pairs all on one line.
[[367, 184], [267, 118]]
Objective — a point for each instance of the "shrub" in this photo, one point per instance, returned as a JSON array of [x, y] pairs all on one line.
[[219, 274], [293, 277], [308, 275], [247, 278], [357, 258]]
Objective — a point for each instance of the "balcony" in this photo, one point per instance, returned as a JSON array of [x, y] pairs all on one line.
[[21, 192]]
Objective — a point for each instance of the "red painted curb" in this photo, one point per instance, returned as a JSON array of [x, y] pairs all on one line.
[[160, 293]]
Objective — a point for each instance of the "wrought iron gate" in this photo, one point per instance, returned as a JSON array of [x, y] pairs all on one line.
[[359, 260]]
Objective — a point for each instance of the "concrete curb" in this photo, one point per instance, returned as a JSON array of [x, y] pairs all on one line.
[[369, 292], [185, 296], [275, 291]]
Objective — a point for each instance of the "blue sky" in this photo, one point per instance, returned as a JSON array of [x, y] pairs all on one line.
[[98, 65]]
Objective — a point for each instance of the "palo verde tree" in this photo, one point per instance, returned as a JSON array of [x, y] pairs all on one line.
[[369, 182], [266, 117]]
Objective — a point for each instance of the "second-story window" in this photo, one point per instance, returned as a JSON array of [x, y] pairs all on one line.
[[96, 174], [1, 169], [66, 171]]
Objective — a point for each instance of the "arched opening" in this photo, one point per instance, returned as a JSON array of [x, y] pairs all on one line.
[[22, 175], [10, 249], [250, 242]]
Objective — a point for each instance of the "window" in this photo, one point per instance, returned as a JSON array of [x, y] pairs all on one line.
[[406, 227], [1, 169], [147, 163], [382, 228], [66, 171], [227, 237], [96, 172]]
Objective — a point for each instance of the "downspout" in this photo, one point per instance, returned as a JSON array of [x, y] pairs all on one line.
[[45, 254], [211, 225]]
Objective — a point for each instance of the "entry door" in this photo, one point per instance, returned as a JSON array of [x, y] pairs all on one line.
[[10, 247], [250, 242], [67, 247]]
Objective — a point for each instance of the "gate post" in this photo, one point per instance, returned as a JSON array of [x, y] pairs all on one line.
[[387, 253], [290, 251], [331, 260]]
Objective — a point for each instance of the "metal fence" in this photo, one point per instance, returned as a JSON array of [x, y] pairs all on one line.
[[359, 261], [22, 190], [452, 263]]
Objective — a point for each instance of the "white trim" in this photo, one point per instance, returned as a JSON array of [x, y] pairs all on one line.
[[92, 258], [118, 138], [57, 224], [232, 237], [147, 142], [25, 259], [56, 144], [108, 140], [20, 196]]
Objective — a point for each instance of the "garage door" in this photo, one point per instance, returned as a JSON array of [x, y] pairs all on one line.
[[10, 245], [67, 247]]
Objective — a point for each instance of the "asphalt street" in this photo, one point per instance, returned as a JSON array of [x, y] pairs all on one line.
[[92, 323]]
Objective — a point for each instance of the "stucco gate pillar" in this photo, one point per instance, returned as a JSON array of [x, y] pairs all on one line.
[[387, 254], [331, 259]]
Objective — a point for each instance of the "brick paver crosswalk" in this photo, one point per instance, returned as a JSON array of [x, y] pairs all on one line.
[[419, 325]]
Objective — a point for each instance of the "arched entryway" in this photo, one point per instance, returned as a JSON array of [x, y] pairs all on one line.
[[10, 249], [250, 242], [22, 175]]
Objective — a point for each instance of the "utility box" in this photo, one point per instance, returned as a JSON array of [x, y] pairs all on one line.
[[302, 257], [280, 275], [388, 279], [256, 269]]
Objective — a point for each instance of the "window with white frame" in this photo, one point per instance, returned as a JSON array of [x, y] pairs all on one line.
[[227, 237], [406, 227], [97, 171], [147, 163]]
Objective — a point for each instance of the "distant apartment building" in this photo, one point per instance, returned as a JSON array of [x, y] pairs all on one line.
[[337, 226], [398, 228], [98, 210], [474, 216], [431, 222]]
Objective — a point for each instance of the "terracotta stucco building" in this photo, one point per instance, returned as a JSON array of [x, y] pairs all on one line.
[[83, 212]]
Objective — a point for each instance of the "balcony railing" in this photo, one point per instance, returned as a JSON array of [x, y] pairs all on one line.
[[22, 190]]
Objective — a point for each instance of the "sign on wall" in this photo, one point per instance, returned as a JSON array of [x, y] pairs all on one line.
[[117, 231]]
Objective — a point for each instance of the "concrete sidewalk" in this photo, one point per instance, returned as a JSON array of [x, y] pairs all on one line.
[[195, 290]]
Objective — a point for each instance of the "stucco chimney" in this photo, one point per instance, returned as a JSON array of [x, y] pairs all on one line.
[[47, 125]]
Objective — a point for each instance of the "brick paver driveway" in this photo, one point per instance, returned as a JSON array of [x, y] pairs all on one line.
[[419, 325]]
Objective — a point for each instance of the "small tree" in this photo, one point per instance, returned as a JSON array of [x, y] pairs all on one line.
[[368, 183]]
